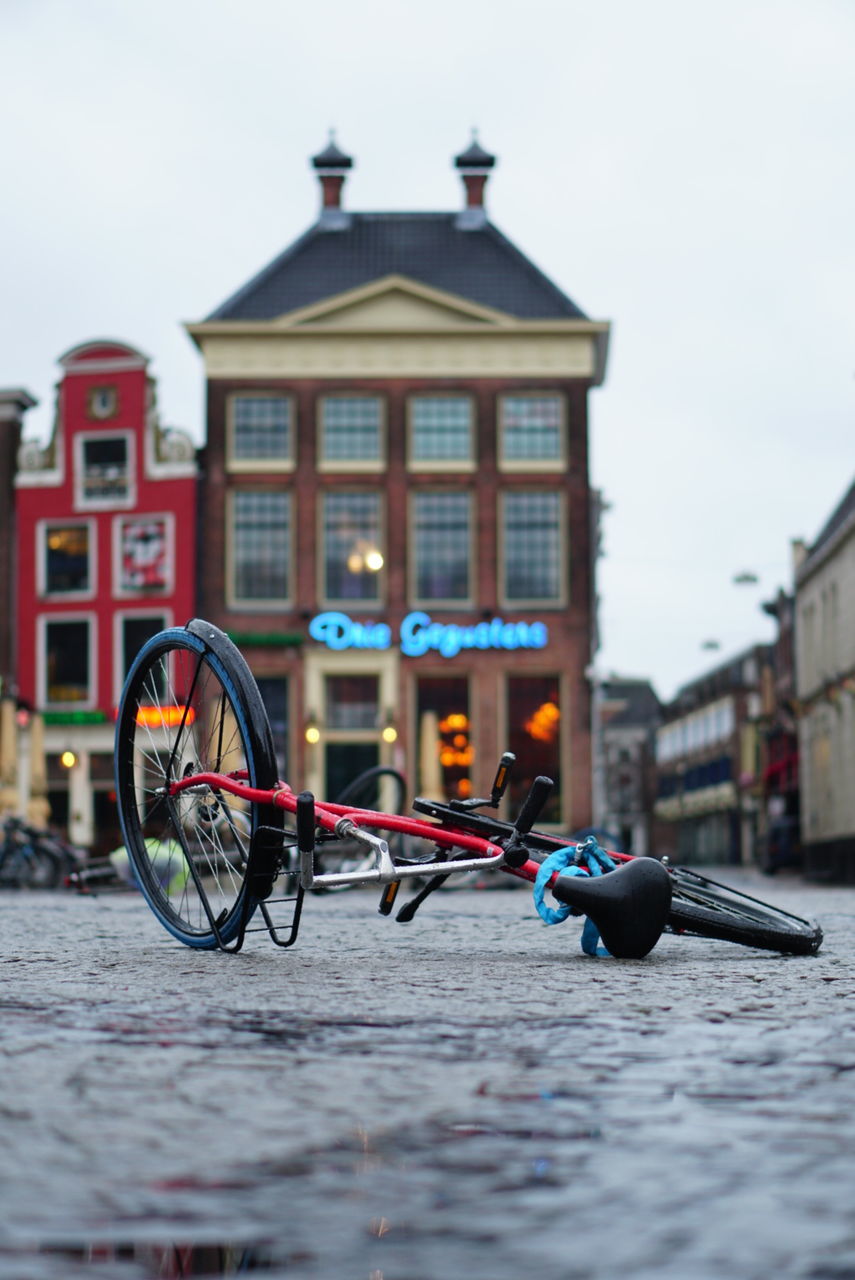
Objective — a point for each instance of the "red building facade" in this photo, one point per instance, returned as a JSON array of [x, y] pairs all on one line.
[[106, 536]]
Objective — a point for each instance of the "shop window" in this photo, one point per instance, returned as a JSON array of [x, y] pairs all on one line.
[[274, 695], [351, 431], [67, 559], [353, 555], [442, 546], [531, 431], [104, 470], [260, 430], [440, 432], [260, 547], [531, 545], [444, 748], [534, 736], [352, 702], [67, 662]]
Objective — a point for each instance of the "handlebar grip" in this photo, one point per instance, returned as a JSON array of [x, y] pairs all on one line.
[[532, 805], [306, 822]]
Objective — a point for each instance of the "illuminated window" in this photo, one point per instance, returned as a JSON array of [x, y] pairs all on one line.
[[353, 553], [442, 546], [445, 751], [67, 567], [440, 430], [534, 736]]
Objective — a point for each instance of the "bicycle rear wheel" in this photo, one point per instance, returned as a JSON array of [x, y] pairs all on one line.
[[712, 910], [190, 705]]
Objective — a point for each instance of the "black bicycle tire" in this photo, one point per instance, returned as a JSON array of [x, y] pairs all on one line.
[[212, 647], [707, 909]]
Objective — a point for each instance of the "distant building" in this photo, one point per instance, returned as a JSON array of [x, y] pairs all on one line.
[[779, 838], [106, 536], [708, 764], [14, 403], [396, 511], [825, 687], [630, 715]]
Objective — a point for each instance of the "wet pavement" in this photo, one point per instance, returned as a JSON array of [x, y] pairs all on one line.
[[464, 1096]]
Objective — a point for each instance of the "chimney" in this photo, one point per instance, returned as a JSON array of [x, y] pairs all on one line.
[[331, 166], [474, 164]]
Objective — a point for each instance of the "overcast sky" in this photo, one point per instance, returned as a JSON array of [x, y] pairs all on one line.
[[682, 168]]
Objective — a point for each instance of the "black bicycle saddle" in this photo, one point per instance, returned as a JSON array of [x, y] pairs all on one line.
[[629, 905]]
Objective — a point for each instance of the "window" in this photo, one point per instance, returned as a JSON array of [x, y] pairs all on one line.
[[67, 662], [531, 430], [351, 430], [440, 431], [261, 546], [274, 695], [352, 702], [445, 751], [261, 430], [532, 546], [67, 559], [534, 736], [136, 630], [442, 545], [144, 554], [353, 558], [104, 471]]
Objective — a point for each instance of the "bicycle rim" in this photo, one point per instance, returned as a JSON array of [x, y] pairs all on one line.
[[189, 709], [711, 910]]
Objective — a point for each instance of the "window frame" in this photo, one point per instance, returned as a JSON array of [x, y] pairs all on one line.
[[42, 527], [517, 465], [45, 620], [353, 602], [560, 601], [445, 602], [248, 604], [82, 503], [468, 464], [242, 466], [351, 465]]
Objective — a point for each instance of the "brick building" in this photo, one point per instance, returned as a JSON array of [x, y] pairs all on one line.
[[395, 505], [106, 541]]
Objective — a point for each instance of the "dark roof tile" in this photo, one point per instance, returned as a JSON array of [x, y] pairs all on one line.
[[480, 265]]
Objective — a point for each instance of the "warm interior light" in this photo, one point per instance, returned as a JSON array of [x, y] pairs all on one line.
[[374, 561], [164, 717]]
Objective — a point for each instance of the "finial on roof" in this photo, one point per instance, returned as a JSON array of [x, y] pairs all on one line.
[[331, 166], [474, 164]]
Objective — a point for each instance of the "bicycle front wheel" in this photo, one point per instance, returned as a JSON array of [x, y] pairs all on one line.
[[712, 910], [190, 705]]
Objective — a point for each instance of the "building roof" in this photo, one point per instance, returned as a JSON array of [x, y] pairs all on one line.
[[836, 520], [634, 702], [479, 264]]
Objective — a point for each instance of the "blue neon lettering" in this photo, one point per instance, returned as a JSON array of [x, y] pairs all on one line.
[[420, 634]]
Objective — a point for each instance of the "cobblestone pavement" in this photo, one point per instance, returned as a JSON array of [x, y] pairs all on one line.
[[466, 1096]]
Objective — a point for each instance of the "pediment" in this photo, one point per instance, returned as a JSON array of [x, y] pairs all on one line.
[[395, 303]]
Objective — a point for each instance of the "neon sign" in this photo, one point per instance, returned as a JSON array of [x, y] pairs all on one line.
[[419, 634]]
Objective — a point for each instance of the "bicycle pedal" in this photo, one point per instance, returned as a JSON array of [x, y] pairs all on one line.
[[387, 901]]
